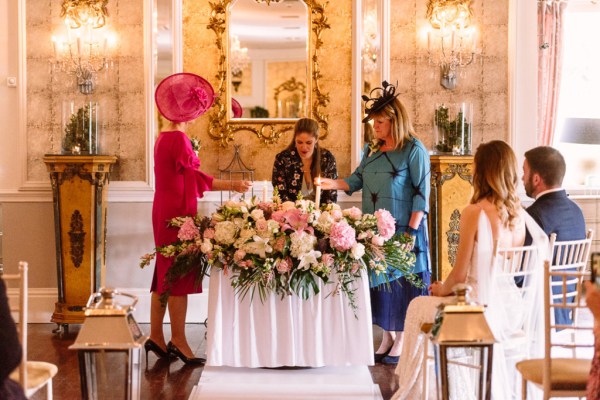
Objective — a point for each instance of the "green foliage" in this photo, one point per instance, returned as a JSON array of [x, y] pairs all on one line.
[[451, 133], [77, 132]]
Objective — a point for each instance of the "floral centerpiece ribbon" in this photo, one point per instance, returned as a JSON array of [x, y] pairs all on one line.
[[284, 248]]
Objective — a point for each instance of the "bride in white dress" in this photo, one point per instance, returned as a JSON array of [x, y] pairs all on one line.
[[495, 214]]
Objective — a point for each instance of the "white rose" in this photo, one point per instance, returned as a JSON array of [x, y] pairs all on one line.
[[357, 251], [377, 240], [206, 246], [257, 214]]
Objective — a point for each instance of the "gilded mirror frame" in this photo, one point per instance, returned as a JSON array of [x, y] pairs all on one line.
[[223, 129]]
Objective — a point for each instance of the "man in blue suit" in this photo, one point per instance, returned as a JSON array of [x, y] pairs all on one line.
[[543, 171]]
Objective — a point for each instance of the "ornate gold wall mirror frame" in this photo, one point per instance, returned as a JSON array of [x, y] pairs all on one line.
[[222, 127]]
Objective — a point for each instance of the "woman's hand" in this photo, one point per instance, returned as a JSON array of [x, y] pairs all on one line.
[[241, 186], [332, 184], [435, 289], [326, 183], [409, 246]]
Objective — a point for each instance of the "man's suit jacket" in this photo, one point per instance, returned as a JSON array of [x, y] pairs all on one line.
[[556, 213]]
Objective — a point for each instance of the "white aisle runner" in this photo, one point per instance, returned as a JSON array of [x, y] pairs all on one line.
[[325, 383]]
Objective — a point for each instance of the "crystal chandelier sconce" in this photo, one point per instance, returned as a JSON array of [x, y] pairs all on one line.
[[370, 47], [84, 52], [238, 61], [268, 2], [452, 43]]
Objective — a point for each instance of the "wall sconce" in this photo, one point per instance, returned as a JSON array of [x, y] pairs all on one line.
[[84, 52], [239, 60], [453, 43]]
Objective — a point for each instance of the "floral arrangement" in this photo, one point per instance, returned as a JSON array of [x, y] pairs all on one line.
[[196, 144], [285, 248]]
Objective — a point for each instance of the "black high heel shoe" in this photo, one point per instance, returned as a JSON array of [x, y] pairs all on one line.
[[380, 356], [150, 345], [173, 350]]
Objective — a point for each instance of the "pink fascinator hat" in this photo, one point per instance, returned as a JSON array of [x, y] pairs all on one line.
[[183, 97], [236, 108]]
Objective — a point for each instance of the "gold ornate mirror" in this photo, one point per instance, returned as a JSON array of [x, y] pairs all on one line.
[[240, 78]]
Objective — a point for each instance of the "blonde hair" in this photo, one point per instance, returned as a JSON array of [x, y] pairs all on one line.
[[495, 178], [401, 126]]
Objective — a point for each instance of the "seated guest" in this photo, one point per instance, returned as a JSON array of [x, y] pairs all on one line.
[[494, 214], [10, 350], [543, 172], [296, 167]]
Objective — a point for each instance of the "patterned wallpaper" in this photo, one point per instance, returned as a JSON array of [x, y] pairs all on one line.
[[120, 91], [484, 83]]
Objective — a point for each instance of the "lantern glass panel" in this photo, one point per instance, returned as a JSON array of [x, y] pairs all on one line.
[[463, 372]]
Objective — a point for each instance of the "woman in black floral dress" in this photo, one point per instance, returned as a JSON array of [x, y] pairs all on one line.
[[296, 168]]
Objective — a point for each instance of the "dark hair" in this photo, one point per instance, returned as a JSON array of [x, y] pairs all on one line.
[[548, 163], [310, 126]]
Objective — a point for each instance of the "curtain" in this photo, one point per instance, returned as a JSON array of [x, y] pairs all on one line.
[[550, 34]]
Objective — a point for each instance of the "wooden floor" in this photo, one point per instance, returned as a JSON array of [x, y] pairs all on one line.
[[161, 379]]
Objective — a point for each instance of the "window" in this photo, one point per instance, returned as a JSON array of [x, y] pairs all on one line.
[[579, 101]]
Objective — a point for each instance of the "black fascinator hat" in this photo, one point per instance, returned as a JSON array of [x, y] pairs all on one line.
[[376, 103]]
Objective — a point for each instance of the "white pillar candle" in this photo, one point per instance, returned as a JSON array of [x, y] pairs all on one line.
[[318, 192], [264, 192], [54, 48], [78, 46]]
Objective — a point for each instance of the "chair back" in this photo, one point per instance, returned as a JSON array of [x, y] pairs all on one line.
[[513, 288], [20, 310], [564, 346], [570, 255]]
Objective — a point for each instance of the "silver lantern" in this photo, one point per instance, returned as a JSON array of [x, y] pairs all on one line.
[[463, 345], [109, 347]]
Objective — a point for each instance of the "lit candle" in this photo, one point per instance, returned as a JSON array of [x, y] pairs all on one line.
[[452, 41], [54, 48], [318, 192], [104, 46], [78, 46], [428, 40], [474, 38], [264, 192]]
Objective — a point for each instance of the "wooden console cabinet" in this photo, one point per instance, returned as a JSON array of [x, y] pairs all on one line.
[[80, 194], [451, 191]]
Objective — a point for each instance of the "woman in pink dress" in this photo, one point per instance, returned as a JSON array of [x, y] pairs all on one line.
[[180, 98]]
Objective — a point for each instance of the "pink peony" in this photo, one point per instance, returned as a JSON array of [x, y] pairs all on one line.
[[386, 223], [188, 230], [342, 236]]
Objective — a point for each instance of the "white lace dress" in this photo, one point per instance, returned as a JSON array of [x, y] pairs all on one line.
[[423, 310]]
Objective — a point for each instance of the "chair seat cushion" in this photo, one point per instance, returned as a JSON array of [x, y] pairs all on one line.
[[38, 373], [565, 373]]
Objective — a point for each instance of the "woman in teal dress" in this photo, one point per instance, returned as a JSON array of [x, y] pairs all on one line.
[[394, 175]]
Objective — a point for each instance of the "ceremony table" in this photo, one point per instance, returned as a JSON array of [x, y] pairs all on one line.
[[320, 331]]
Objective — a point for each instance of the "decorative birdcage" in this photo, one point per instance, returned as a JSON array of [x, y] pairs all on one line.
[[236, 169]]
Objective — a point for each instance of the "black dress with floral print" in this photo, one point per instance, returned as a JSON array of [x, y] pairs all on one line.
[[288, 175]]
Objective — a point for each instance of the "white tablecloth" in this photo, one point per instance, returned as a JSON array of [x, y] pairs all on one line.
[[320, 331]]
